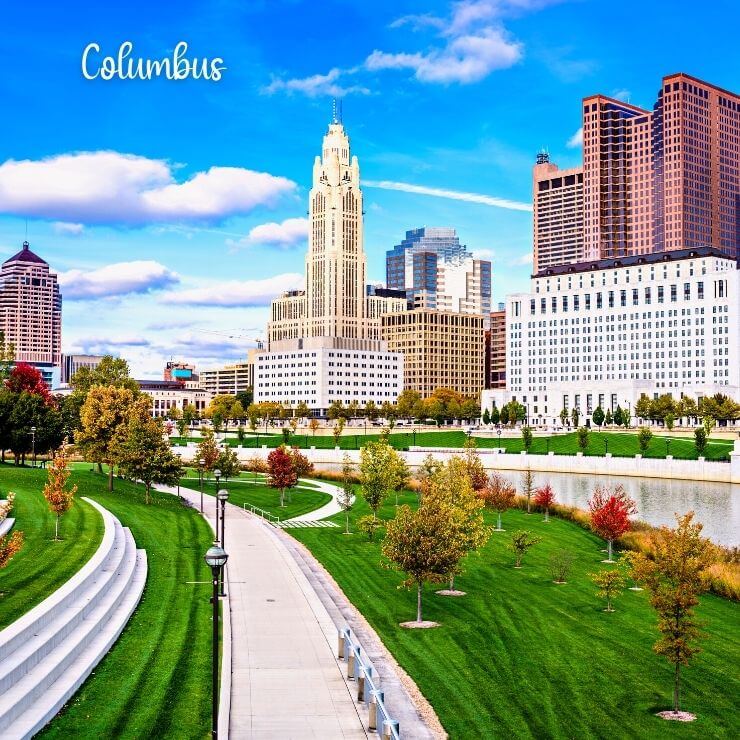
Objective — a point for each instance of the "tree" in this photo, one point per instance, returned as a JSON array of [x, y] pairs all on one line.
[[335, 411], [145, 455], [598, 416], [527, 438], [644, 436], [313, 425], [245, 398], [423, 544], [610, 584], [399, 472], [700, 440], [376, 481], [253, 418], [486, 417], [302, 465], [708, 423], [498, 495], [406, 401], [286, 432], [104, 418], [544, 497], [19, 414], [7, 357], [57, 493], [10, 545], [583, 435], [109, 372], [280, 471], [561, 562], [302, 411], [495, 415], [25, 377], [189, 414], [564, 417], [610, 510], [687, 408], [429, 467], [228, 463], [675, 574], [642, 407], [346, 498], [207, 452], [609, 418], [237, 411], [388, 410], [669, 421], [476, 472], [521, 542], [618, 416], [338, 429], [371, 410], [528, 486], [575, 415]]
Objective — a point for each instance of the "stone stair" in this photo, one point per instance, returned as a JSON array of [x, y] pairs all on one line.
[[47, 654]]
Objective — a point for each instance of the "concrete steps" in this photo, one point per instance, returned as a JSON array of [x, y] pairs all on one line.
[[46, 655], [6, 525]]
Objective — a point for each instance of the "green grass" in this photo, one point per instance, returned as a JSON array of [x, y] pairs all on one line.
[[620, 444], [521, 657], [43, 565], [244, 491], [155, 681]]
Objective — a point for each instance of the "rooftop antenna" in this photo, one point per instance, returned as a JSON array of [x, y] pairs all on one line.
[[334, 110]]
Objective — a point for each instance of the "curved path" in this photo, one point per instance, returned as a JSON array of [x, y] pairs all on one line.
[[328, 509]]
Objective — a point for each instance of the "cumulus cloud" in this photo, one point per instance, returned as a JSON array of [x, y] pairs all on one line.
[[576, 140], [317, 85], [66, 229], [488, 200], [236, 293], [285, 234], [107, 187], [484, 254], [525, 259], [119, 279]]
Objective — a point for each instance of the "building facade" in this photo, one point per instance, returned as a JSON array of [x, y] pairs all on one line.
[[335, 322], [72, 363], [31, 312], [495, 341], [169, 394], [557, 205], [440, 349], [605, 332], [230, 379]]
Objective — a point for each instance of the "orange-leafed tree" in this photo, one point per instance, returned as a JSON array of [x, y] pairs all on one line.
[[281, 471], [544, 497], [10, 544], [57, 491], [476, 472], [498, 495], [610, 510]]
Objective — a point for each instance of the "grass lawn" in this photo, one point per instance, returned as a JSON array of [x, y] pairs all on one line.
[[245, 491], [43, 565], [155, 681], [520, 656], [620, 444]]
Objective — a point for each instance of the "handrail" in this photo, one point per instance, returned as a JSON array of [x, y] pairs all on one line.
[[367, 690], [262, 513]]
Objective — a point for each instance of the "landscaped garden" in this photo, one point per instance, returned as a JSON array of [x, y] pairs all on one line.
[[521, 656], [154, 681]]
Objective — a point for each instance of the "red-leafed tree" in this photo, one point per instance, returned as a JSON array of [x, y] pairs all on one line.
[[544, 497], [25, 377], [610, 511], [281, 471]]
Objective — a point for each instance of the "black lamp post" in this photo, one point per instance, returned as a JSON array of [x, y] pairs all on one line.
[[222, 496], [33, 445], [217, 476], [498, 431], [413, 431], [215, 559], [667, 447]]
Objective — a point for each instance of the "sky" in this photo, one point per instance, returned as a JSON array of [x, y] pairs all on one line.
[[173, 211]]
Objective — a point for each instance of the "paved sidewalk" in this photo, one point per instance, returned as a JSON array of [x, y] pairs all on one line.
[[286, 682]]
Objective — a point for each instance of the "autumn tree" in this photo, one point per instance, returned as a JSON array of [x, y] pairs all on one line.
[[424, 473], [474, 467], [104, 418], [528, 487], [207, 452], [346, 498], [10, 545], [644, 436], [423, 545], [527, 438], [228, 463], [376, 477], [521, 542], [280, 471], [610, 512], [400, 475], [57, 493], [610, 584], [561, 562], [313, 425], [583, 435], [544, 497], [145, 456], [338, 429], [498, 495], [25, 377]]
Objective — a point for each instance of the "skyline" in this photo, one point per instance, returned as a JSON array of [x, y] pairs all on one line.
[[227, 242]]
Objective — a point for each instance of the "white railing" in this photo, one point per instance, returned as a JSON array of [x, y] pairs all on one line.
[[367, 690], [266, 515]]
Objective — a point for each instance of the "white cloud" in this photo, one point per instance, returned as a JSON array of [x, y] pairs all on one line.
[[622, 94], [488, 200], [285, 234], [122, 278], [484, 254], [112, 188], [317, 85], [524, 259], [576, 140], [236, 293], [67, 229]]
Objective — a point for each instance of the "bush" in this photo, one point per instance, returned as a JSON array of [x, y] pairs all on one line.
[[643, 439], [560, 565], [369, 525]]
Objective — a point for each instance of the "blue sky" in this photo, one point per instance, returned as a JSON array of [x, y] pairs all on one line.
[[173, 209]]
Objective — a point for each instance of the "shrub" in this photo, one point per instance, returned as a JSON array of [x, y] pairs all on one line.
[[560, 565], [369, 525]]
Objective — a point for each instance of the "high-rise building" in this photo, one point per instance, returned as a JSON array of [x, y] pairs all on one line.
[[329, 325], [441, 349], [72, 363], [31, 312], [181, 371], [495, 342], [232, 379], [436, 271], [557, 198]]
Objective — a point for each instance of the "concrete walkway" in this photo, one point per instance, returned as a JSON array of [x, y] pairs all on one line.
[[328, 509], [286, 682]]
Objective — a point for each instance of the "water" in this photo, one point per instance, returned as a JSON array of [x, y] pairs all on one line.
[[716, 505]]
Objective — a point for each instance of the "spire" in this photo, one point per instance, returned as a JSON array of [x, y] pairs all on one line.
[[336, 111]]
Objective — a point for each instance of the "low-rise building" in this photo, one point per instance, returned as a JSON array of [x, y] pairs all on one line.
[[168, 394], [230, 379], [72, 363]]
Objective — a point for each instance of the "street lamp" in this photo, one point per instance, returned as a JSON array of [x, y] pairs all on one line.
[[413, 431], [498, 431], [33, 445], [667, 447], [215, 559], [223, 497]]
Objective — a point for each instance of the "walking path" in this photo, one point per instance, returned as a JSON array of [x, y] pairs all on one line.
[[286, 682]]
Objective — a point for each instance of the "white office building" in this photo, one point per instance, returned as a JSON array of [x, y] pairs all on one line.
[[602, 333]]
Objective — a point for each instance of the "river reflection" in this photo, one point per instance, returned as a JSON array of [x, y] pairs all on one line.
[[717, 505]]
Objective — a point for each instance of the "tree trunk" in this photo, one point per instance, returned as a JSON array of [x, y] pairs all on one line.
[[452, 582], [146, 495], [418, 601], [528, 511], [677, 689], [282, 498], [609, 550], [56, 528], [498, 526], [100, 468], [346, 523], [547, 515]]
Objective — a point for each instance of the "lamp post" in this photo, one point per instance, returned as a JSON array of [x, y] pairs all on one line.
[[215, 559], [667, 447], [606, 446], [217, 477], [201, 463], [222, 496], [413, 431], [33, 445], [498, 431]]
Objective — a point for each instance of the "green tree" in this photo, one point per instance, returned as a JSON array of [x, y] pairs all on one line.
[[207, 452], [486, 417], [338, 429], [675, 574], [406, 402], [495, 415], [521, 542], [371, 410], [669, 421], [608, 418], [575, 415], [110, 372], [618, 416], [228, 463], [644, 437], [610, 584], [642, 407], [598, 416], [583, 438], [700, 440], [564, 416], [708, 423], [302, 411], [527, 438], [7, 358], [376, 473], [346, 498]]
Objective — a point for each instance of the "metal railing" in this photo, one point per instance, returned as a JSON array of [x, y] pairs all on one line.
[[367, 691], [266, 515]]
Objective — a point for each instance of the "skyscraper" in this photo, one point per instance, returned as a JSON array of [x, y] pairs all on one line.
[[31, 312]]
